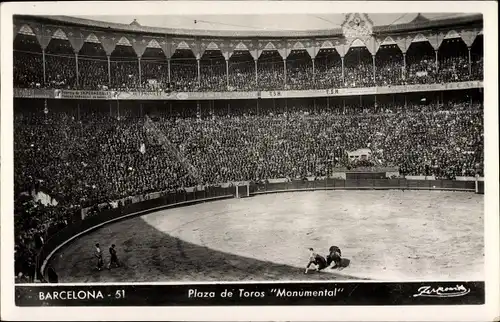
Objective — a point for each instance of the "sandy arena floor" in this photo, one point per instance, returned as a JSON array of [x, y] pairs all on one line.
[[384, 235]]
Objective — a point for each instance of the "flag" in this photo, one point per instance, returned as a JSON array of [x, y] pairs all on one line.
[[143, 148]]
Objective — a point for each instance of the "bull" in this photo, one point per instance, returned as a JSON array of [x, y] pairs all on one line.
[[334, 256]]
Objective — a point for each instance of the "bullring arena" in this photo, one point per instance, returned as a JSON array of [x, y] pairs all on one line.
[[215, 155], [384, 235]]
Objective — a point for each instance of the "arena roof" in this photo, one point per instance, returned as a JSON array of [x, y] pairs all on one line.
[[417, 22]]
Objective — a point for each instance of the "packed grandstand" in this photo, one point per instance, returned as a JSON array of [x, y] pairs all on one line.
[[85, 150]]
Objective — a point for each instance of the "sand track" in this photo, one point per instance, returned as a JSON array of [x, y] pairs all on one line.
[[386, 235]]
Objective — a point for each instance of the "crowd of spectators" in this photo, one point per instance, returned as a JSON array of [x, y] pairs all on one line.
[[185, 75], [242, 76], [300, 76], [60, 65], [93, 73], [270, 75], [27, 69], [213, 76], [34, 224], [421, 71], [389, 70], [60, 71], [359, 75], [124, 74], [154, 73], [454, 69], [328, 76], [96, 158], [477, 69]]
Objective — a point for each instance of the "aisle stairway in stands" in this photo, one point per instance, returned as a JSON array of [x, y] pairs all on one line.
[[151, 129]]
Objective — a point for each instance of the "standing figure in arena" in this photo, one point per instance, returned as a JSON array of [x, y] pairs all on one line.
[[317, 262], [335, 256], [114, 258], [98, 255]]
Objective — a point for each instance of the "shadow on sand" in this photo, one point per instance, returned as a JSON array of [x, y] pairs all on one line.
[[344, 263], [149, 255]]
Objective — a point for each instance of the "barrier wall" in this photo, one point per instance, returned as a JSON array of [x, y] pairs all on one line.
[[364, 184], [480, 187], [178, 199]]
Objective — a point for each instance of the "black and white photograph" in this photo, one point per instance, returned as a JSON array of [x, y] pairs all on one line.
[[311, 154]]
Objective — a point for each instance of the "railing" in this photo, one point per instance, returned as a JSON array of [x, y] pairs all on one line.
[[364, 184], [157, 95], [179, 199]]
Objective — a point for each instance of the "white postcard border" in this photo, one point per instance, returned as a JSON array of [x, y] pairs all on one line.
[[489, 311]]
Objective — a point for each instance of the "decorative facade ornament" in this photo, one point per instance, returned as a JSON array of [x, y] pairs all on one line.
[[298, 46], [26, 30], [452, 34], [327, 44], [212, 46], [270, 46], [182, 45], [59, 34], [153, 44], [124, 42], [357, 25], [388, 41], [241, 46], [420, 38], [92, 38], [358, 43]]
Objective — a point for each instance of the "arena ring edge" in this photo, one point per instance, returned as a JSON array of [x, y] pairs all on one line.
[[295, 259]]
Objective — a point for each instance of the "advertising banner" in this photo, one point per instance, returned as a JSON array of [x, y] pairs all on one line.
[[146, 95], [33, 93], [76, 94], [162, 95]]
